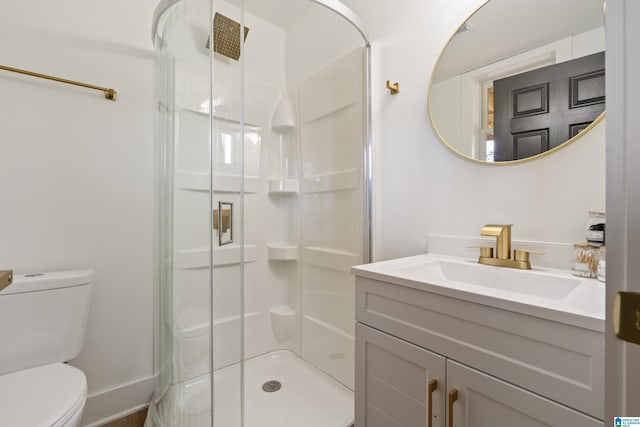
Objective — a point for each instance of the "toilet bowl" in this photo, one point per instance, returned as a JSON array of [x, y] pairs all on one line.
[[43, 320]]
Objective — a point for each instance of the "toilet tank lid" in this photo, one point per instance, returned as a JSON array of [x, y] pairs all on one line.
[[33, 282]]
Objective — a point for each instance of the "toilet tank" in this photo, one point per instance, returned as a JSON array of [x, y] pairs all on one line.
[[43, 318]]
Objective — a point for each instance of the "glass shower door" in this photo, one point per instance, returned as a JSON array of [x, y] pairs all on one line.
[[229, 250], [262, 127], [199, 248]]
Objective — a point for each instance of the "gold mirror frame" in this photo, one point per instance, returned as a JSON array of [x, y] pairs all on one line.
[[507, 162]]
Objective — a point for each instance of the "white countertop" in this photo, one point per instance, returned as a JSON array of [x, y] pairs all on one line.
[[583, 304]]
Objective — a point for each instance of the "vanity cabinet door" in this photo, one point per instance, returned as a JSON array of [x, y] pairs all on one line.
[[485, 401], [397, 383]]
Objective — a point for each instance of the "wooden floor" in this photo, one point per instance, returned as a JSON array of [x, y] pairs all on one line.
[[134, 420]]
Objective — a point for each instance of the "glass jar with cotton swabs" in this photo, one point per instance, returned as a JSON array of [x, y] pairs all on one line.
[[588, 258]]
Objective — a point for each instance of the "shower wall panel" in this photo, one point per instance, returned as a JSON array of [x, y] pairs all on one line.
[[332, 116]]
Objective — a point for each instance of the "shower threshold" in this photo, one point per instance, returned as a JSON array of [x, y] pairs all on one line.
[[306, 396]]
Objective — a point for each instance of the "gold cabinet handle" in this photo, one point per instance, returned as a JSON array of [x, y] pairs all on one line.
[[453, 396], [433, 386]]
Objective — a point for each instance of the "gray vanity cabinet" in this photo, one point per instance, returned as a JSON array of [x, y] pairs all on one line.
[[485, 401], [396, 382], [407, 338]]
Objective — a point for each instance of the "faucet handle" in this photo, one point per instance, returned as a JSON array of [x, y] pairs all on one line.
[[485, 251], [523, 254]]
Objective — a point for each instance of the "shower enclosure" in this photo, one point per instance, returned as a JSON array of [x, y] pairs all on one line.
[[263, 205]]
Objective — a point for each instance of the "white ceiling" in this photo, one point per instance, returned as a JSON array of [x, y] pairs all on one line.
[[504, 28], [278, 12]]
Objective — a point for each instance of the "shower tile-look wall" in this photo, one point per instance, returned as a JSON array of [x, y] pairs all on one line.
[[331, 133]]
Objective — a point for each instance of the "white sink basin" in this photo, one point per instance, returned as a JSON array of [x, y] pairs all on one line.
[[528, 282], [548, 293]]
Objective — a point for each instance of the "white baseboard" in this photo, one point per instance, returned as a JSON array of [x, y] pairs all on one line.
[[110, 405]]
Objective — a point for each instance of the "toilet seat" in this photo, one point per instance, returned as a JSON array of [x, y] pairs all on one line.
[[44, 396]]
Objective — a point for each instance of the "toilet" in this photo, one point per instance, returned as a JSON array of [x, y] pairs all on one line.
[[43, 319]]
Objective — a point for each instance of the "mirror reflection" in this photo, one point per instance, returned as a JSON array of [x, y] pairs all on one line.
[[520, 78]]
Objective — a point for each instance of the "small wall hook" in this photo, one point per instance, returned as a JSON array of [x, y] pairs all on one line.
[[393, 88]]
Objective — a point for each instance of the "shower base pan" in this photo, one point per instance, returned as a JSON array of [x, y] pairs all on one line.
[[305, 397]]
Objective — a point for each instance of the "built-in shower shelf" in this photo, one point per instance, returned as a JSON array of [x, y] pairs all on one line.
[[199, 181], [331, 258], [284, 187], [282, 251], [342, 180], [222, 255]]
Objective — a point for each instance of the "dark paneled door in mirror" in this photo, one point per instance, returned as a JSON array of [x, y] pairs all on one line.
[[541, 109]]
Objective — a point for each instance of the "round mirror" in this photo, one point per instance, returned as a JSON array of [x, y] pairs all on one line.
[[520, 79]]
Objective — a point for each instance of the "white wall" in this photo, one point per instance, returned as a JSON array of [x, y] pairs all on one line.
[[422, 187], [76, 185]]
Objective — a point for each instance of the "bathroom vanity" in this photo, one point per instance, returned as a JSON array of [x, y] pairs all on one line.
[[444, 341]]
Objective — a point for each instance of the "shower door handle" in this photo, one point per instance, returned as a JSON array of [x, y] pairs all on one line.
[[223, 222]]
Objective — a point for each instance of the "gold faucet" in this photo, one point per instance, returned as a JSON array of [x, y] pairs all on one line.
[[502, 233]]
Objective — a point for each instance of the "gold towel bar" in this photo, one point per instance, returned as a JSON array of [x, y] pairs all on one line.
[[108, 93]]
